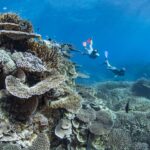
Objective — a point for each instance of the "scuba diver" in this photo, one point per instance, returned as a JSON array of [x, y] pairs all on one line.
[[88, 46], [116, 71]]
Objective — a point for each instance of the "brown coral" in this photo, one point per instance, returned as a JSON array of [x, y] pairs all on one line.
[[9, 26], [12, 18], [51, 56], [71, 102], [18, 35]]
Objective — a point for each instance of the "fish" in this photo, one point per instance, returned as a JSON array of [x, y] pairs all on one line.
[[127, 107], [88, 142]]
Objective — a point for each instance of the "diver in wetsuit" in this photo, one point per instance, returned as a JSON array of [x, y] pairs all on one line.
[[88, 46], [115, 70]]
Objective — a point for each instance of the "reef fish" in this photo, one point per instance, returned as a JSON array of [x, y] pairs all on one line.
[[127, 107]]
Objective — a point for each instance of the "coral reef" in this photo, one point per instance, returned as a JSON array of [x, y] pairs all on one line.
[[37, 87], [42, 108], [141, 88], [41, 143], [114, 128]]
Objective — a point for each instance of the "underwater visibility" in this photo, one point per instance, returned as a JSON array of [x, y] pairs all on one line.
[[74, 75]]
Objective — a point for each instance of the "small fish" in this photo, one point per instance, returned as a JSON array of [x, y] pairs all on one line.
[[88, 142], [38, 29], [127, 107]]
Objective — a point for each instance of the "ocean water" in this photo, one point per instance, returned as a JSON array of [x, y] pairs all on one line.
[[122, 28], [42, 111]]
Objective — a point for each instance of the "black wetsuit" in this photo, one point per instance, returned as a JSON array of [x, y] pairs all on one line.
[[93, 54], [118, 72]]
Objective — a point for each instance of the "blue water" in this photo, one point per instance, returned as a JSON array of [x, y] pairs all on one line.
[[121, 27]]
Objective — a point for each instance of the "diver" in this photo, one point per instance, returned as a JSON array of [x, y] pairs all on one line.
[[115, 70], [88, 46]]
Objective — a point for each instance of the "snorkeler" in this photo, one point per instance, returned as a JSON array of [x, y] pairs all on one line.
[[88, 46], [116, 71]]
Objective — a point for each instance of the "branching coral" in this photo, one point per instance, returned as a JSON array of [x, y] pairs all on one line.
[[9, 17], [51, 56], [119, 139], [15, 19]]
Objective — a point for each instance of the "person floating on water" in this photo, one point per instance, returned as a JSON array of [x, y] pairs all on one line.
[[115, 70], [88, 46]]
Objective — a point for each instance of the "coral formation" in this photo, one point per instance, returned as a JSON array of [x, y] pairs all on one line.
[[41, 143], [28, 62], [37, 85], [141, 88], [11, 147], [63, 129], [42, 108], [119, 139], [86, 115], [20, 90], [103, 123]]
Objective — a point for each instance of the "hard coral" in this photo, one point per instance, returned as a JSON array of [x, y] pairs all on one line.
[[15, 19], [141, 88], [11, 147], [9, 17], [7, 62], [9, 26], [18, 35], [86, 115], [63, 129], [41, 143], [119, 139], [103, 123], [28, 62], [71, 102], [35, 74], [51, 56], [20, 90]]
